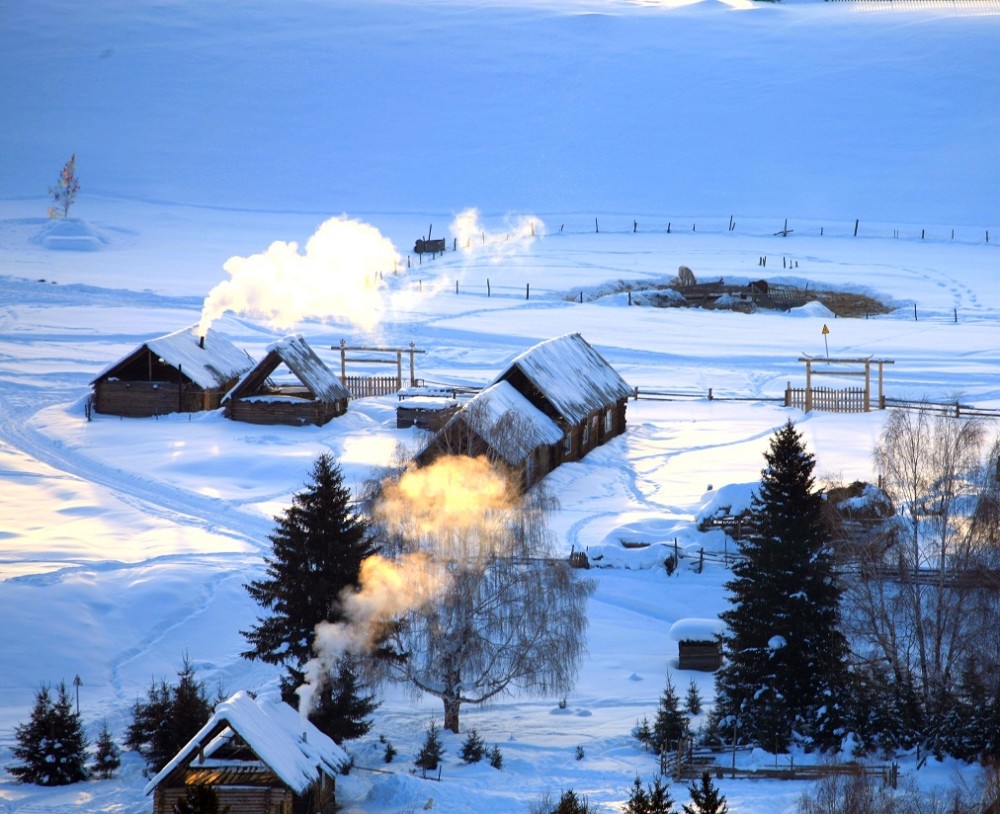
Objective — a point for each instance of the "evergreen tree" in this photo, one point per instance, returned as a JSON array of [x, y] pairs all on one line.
[[431, 751], [52, 746], [168, 719], [705, 798], [670, 726], [654, 799], [473, 747], [571, 803], [317, 551], [496, 757], [785, 653], [107, 759], [693, 703]]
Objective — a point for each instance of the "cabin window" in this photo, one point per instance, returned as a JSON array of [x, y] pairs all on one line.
[[568, 443], [586, 434], [593, 427], [608, 421]]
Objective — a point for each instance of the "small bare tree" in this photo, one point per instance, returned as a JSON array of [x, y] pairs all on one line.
[[64, 192], [507, 615]]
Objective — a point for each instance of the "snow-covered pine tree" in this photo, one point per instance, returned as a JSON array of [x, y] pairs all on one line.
[[431, 751], [705, 798], [653, 799], [52, 746], [473, 747], [317, 551], [107, 757], [786, 655], [670, 724], [692, 702], [168, 718]]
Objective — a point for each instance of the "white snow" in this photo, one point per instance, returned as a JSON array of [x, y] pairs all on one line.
[[636, 137]]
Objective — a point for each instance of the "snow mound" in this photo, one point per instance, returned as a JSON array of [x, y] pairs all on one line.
[[70, 234], [812, 309]]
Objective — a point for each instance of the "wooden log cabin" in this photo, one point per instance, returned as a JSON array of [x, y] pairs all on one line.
[[259, 757], [553, 403], [310, 393], [699, 643], [179, 372]]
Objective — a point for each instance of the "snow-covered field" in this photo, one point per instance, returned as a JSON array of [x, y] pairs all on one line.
[[205, 133]]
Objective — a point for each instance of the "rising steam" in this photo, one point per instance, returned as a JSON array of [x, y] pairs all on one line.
[[337, 277], [447, 511], [473, 238]]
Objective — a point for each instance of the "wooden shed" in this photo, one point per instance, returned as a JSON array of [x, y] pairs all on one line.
[[572, 384], [179, 372], [308, 393], [260, 757], [503, 425], [699, 643]]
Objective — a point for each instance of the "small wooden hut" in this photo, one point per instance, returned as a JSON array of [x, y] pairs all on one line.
[[699, 643], [572, 384], [310, 394], [259, 757], [503, 425], [179, 372]]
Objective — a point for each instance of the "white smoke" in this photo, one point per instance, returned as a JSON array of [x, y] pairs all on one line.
[[473, 238], [339, 276], [448, 510]]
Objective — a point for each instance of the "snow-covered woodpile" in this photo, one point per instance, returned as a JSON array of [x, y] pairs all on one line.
[[258, 756], [179, 372], [312, 394], [698, 643]]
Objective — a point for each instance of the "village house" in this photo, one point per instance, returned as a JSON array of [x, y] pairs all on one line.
[[310, 394], [553, 403], [259, 757], [179, 372]]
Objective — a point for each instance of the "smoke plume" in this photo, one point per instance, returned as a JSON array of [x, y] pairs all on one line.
[[337, 277], [473, 238], [447, 511]]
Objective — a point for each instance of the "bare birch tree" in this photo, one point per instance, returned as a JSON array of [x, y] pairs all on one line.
[[508, 615], [924, 597]]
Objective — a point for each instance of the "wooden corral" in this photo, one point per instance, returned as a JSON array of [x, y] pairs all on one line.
[[315, 396], [179, 372], [369, 386], [258, 758], [844, 400]]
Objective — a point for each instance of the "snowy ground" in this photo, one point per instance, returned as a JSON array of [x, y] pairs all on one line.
[[124, 544]]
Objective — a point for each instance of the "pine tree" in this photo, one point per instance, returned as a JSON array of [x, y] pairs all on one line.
[[693, 703], [107, 758], [64, 192], [168, 719], [670, 726], [317, 551], [786, 655], [473, 747], [571, 803], [52, 746], [705, 798], [638, 800], [431, 751]]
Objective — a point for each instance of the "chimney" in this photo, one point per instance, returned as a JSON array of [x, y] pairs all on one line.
[[201, 341]]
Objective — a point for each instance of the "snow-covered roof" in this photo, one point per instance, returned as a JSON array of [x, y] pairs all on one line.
[[293, 748], [208, 364], [533, 428], [574, 377], [696, 630], [302, 360]]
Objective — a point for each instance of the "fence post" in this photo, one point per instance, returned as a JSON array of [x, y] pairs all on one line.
[[527, 291]]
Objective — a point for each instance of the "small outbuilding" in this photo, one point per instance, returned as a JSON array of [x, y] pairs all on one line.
[[176, 373], [310, 392], [259, 757], [699, 643]]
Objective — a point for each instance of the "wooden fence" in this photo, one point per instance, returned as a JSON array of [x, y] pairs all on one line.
[[828, 399], [367, 386]]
